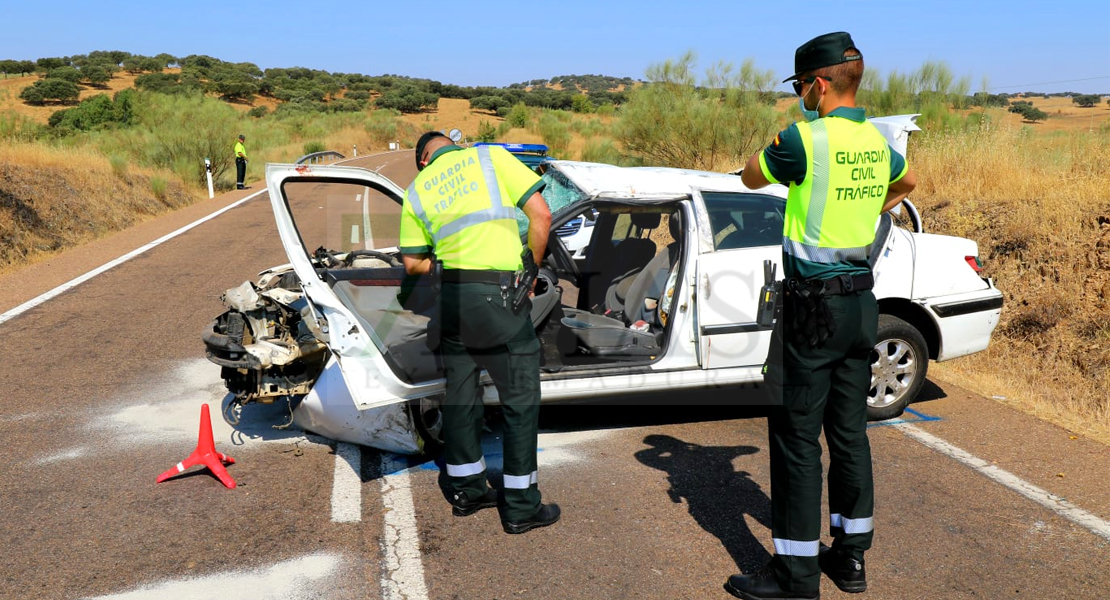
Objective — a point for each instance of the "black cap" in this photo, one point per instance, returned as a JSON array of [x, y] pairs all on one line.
[[422, 142], [241, 137], [823, 51]]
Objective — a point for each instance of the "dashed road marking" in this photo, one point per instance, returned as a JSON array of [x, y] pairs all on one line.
[[404, 569], [1050, 501], [346, 490]]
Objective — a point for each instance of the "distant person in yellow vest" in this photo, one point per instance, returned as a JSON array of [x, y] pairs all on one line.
[[841, 173], [240, 163], [461, 212]]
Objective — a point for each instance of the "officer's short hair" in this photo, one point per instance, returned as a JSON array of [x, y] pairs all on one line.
[[241, 137], [846, 76], [422, 143]]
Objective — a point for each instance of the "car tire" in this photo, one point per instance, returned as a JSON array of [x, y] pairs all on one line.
[[427, 418], [899, 364]]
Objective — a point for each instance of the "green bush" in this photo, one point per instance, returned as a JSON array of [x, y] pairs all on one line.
[[158, 187], [486, 131], [258, 112], [314, 147], [518, 117], [602, 150], [674, 122], [582, 104], [119, 165], [555, 133], [177, 131]]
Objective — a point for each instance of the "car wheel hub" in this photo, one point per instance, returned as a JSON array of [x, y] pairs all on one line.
[[893, 370]]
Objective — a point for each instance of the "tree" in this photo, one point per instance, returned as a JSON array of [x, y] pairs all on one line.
[[67, 73], [1034, 114], [490, 103], [51, 89], [96, 75], [46, 64], [408, 99], [233, 85], [1085, 100]]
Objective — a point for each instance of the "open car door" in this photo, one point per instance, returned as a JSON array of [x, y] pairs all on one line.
[[746, 230], [333, 222]]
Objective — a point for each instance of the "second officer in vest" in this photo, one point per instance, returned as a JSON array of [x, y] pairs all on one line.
[[841, 174], [461, 212]]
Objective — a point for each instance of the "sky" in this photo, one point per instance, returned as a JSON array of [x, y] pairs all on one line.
[[1011, 45]]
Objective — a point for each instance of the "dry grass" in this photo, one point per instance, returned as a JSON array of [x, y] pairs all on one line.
[[1039, 208], [52, 199]]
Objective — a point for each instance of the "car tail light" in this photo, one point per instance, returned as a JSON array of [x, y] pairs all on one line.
[[973, 262]]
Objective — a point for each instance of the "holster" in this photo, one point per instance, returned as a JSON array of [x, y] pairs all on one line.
[[522, 284], [811, 321]]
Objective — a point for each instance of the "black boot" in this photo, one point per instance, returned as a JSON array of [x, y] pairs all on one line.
[[461, 506], [762, 585], [546, 515], [846, 572]]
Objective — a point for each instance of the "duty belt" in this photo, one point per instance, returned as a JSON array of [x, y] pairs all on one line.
[[843, 284], [475, 276]]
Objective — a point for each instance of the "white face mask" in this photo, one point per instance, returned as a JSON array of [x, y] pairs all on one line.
[[810, 115]]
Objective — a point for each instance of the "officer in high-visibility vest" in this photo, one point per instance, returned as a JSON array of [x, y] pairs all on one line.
[[461, 212], [841, 173], [240, 162]]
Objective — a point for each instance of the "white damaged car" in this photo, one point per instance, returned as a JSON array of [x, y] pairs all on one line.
[[663, 298]]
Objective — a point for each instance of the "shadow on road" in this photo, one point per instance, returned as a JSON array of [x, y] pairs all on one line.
[[718, 495]]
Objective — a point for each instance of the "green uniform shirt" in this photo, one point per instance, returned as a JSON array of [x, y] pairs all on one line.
[[240, 150], [785, 161], [462, 207]]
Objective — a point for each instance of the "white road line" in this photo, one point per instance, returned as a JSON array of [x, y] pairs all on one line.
[[403, 578], [1052, 502], [65, 287], [346, 487]]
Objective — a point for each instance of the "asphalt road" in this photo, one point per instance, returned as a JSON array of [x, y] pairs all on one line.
[[103, 385]]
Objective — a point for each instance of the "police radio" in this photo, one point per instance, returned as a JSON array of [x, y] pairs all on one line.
[[768, 296]]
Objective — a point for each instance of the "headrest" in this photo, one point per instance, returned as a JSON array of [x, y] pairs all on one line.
[[674, 224]]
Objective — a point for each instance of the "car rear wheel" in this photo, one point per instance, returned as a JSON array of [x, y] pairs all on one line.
[[427, 417], [899, 363]]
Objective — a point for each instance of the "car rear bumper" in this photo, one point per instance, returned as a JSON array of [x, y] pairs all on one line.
[[965, 321]]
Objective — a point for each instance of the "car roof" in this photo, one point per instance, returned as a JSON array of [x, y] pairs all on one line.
[[602, 180]]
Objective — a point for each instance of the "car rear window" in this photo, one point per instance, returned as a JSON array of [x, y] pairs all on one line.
[[744, 220]]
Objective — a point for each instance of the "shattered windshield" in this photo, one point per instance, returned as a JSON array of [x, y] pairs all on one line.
[[559, 193]]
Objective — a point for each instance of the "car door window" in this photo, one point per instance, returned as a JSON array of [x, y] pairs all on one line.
[[744, 220], [342, 216]]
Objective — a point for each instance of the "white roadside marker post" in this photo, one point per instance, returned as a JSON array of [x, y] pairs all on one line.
[[355, 149], [208, 174]]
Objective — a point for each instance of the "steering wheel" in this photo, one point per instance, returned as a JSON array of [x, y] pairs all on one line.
[[382, 256], [560, 255]]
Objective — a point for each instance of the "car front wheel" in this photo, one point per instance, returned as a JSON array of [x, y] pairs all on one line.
[[899, 363]]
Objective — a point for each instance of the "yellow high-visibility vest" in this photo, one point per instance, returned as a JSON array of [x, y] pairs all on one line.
[[462, 207], [830, 217]]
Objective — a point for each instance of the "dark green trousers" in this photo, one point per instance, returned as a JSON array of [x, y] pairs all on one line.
[[824, 387], [481, 331]]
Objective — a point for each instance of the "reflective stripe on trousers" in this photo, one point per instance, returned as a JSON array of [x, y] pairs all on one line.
[[795, 547], [521, 482], [862, 525], [468, 469]]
